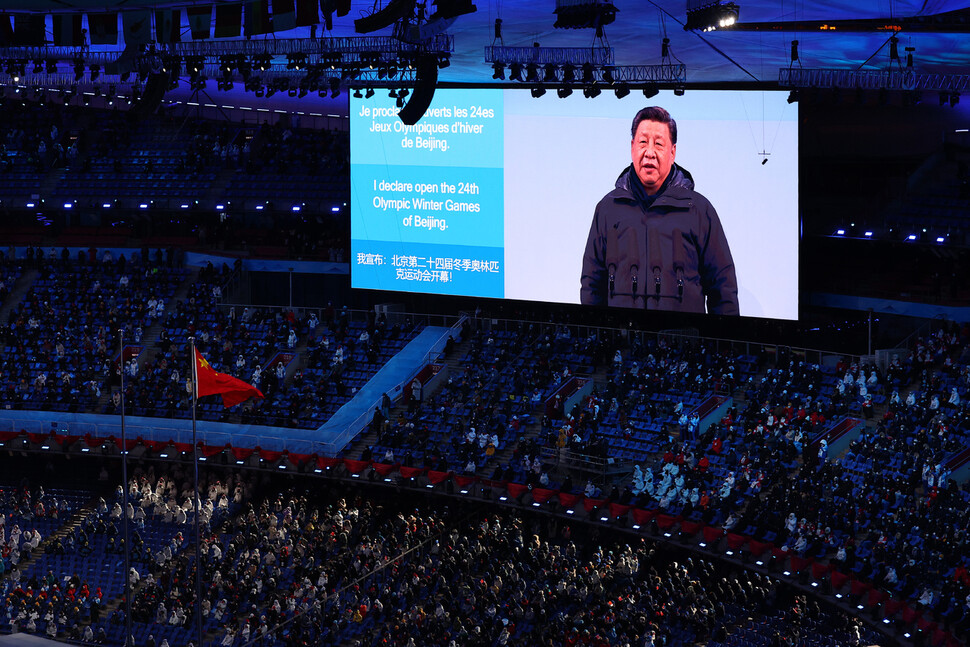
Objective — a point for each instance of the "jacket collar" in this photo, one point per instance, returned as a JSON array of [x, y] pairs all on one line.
[[676, 188]]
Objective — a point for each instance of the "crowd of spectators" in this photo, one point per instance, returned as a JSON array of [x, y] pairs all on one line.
[[65, 589], [39, 137], [884, 512], [342, 354], [286, 148], [338, 564], [162, 158], [61, 338], [484, 407]]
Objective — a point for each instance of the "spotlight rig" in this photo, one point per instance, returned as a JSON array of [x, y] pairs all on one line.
[[704, 15]]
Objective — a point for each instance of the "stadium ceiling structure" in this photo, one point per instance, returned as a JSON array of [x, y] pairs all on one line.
[[928, 38]]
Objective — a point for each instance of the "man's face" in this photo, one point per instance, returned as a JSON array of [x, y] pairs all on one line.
[[653, 154]]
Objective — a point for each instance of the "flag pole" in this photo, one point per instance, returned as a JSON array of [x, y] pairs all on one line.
[[195, 463], [124, 494]]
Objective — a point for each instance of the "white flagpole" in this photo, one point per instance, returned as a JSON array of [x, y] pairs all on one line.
[[195, 463], [124, 495]]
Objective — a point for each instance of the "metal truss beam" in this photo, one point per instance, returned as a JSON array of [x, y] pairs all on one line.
[[650, 73], [896, 79], [60, 54], [545, 55], [440, 44], [383, 46], [316, 74], [612, 74]]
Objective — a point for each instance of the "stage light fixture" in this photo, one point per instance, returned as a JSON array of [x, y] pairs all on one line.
[[532, 73], [12, 71], [564, 91], [194, 65], [538, 91], [498, 70], [170, 63], [591, 92], [704, 15], [622, 90], [515, 72], [651, 91], [549, 73], [262, 61]]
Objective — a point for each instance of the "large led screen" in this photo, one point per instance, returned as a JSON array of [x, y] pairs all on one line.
[[495, 193]]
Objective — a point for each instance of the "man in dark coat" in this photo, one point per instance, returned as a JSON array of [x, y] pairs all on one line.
[[655, 243]]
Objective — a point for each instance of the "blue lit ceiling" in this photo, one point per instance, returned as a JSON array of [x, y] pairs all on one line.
[[734, 56]]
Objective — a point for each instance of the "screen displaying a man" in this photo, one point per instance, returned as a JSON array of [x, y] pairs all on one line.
[[655, 243]]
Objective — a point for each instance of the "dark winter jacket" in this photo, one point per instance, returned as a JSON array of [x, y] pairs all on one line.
[[662, 252]]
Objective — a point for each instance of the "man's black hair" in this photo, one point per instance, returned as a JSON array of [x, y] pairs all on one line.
[[658, 114]]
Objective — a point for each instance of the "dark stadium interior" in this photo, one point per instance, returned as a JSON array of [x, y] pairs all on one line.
[[429, 469]]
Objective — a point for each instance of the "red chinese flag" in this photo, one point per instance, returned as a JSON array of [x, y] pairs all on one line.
[[211, 382]]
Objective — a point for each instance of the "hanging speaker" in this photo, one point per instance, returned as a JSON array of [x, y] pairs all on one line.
[[151, 98], [425, 82]]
